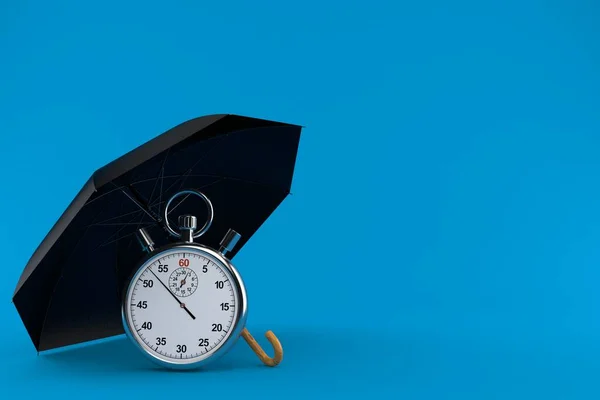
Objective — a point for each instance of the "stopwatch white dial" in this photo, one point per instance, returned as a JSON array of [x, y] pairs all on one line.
[[181, 305]]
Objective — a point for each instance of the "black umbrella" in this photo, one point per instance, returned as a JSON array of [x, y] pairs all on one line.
[[70, 291]]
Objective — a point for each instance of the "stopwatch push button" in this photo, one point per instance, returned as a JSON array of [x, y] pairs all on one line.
[[145, 240], [229, 241]]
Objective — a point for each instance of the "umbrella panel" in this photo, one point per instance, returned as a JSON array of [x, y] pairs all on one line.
[[74, 294]]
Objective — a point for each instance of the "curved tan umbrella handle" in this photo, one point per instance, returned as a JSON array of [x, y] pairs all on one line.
[[271, 362]]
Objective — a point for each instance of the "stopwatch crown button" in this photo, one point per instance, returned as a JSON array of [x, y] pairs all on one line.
[[188, 222]]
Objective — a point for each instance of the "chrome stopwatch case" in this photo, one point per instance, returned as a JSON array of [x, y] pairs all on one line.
[[185, 304]]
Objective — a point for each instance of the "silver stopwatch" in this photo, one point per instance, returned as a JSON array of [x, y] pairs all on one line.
[[185, 304]]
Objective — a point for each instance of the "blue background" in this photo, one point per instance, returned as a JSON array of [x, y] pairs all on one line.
[[448, 178]]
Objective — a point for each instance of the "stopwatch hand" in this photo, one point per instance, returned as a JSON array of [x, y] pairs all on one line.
[[173, 294], [183, 281]]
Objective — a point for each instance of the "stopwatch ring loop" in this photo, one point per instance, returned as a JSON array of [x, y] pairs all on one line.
[[208, 203]]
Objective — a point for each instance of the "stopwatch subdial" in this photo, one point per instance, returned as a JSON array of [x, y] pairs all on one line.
[[183, 282]]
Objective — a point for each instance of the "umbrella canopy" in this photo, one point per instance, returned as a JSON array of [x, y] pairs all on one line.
[[71, 289]]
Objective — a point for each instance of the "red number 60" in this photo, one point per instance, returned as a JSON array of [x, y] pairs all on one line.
[[184, 262]]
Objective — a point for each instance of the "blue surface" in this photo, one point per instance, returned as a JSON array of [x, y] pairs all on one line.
[[447, 187]]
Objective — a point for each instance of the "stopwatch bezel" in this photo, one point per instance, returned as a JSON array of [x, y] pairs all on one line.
[[239, 319]]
